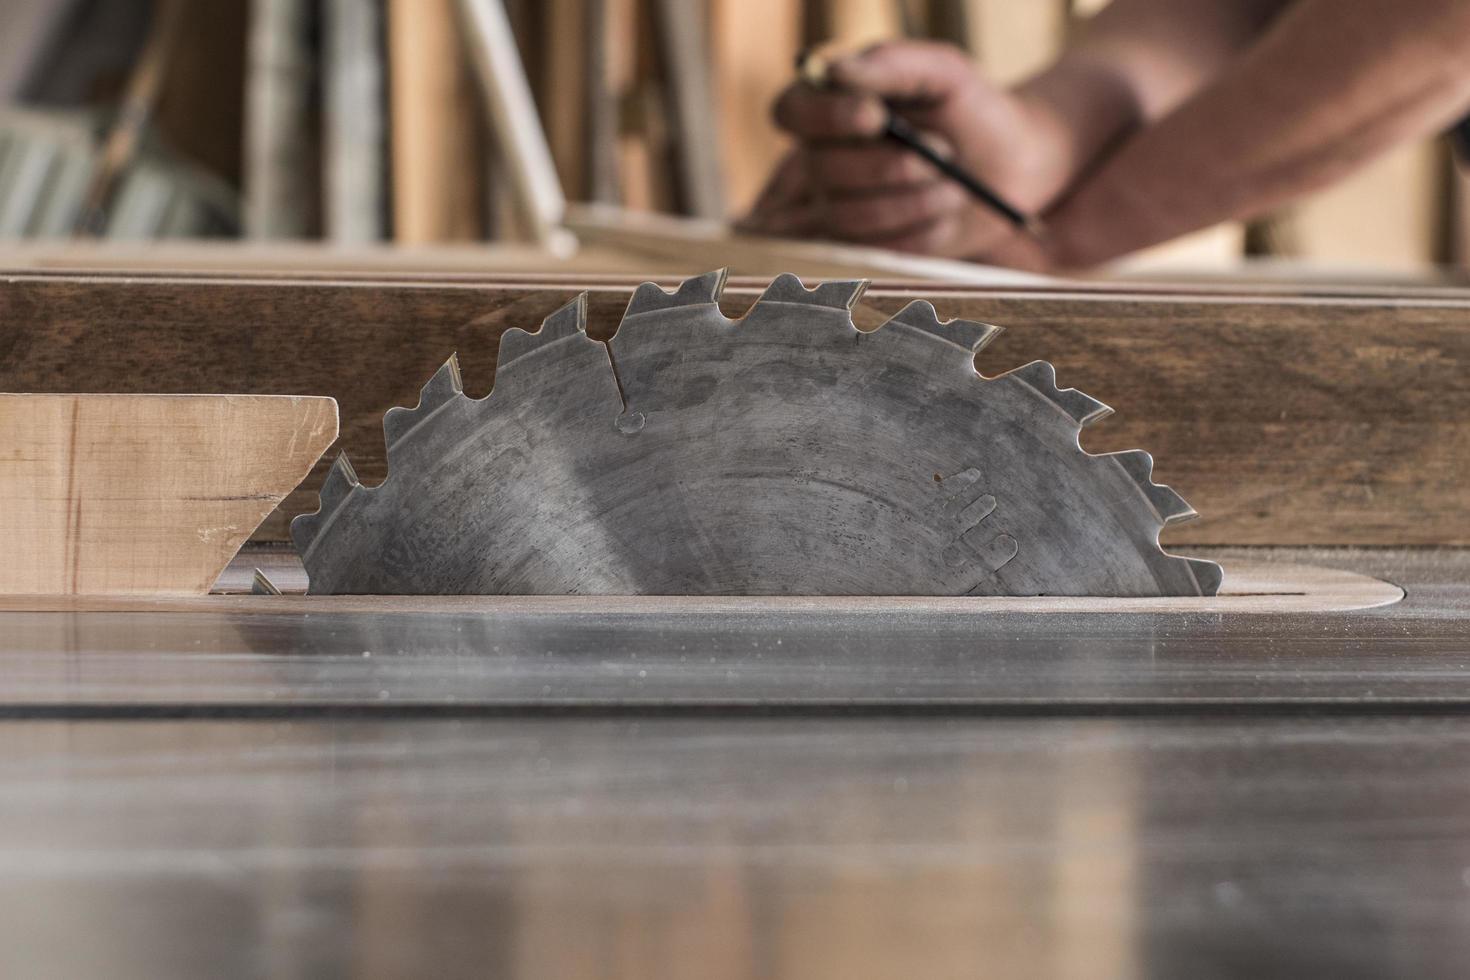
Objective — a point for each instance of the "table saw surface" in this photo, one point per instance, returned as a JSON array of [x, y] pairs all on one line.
[[786, 794]]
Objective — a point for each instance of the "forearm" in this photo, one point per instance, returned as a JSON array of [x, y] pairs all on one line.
[[1134, 61], [1321, 92]]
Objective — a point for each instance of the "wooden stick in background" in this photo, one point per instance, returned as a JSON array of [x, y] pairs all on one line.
[[354, 149], [280, 184], [684, 56], [438, 163], [126, 136], [519, 135]]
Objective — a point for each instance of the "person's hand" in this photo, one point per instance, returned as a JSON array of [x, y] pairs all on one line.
[[844, 182]]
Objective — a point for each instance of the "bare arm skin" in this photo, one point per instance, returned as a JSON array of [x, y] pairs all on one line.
[[1167, 115], [1136, 60], [1325, 89]]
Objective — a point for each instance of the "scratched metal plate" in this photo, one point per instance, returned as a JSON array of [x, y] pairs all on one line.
[[786, 453]]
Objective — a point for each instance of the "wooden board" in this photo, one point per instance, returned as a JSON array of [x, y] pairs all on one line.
[[681, 37], [611, 241], [519, 138], [144, 494], [280, 187], [354, 193], [434, 136], [1251, 588], [671, 242], [1307, 420]]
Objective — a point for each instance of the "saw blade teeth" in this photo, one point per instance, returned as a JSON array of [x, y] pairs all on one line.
[[589, 468], [969, 334], [649, 297], [1082, 407], [261, 585], [841, 294], [1208, 574], [569, 321], [566, 322], [1171, 508], [340, 482], [341, 479], [445, 386]]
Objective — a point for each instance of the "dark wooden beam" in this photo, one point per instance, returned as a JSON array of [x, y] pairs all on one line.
[[1285, 420]]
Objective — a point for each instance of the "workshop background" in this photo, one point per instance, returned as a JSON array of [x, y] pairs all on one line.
[[361, 121]]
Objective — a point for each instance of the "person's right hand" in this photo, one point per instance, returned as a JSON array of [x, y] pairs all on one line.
[[845, 182]]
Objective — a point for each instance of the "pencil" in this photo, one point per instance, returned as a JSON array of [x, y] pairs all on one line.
[[813, 70]]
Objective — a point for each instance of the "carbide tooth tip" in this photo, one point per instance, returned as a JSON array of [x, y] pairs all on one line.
[[1080, 406], [443, 386], [450, 369], [568, 321], [706, 288], [335, 489], [649, 297], [1171, 508], [921, 315], [341, 478], [841, 294], [342, 470]]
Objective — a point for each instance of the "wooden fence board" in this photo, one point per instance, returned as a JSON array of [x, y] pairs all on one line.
[[1307, 420]]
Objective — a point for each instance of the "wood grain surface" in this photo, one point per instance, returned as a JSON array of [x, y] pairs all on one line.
[[434, 139], [1284, 420], [140, 494]]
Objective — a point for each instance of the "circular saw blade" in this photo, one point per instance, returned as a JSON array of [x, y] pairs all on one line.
[[785, 453]]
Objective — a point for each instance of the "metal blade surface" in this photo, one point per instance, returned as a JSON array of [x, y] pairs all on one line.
[[786, 453]]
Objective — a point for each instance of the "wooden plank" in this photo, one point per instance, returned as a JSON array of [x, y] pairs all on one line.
[[280, 196], [755, 45], [519, 137], [435, 147], [1311, 420], [641, 184], [682, 36], [571, 74], [1457, 232], [565, 62], [232, 258], [669, 241], [620, 260], [201, 103], [144, 494], [354, 148], [1250, 588], [599, 106], [124, 140]]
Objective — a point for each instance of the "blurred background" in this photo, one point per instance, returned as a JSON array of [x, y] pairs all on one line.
[[428, 122]]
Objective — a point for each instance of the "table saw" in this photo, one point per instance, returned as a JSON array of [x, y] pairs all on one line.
[[1263, 781]]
